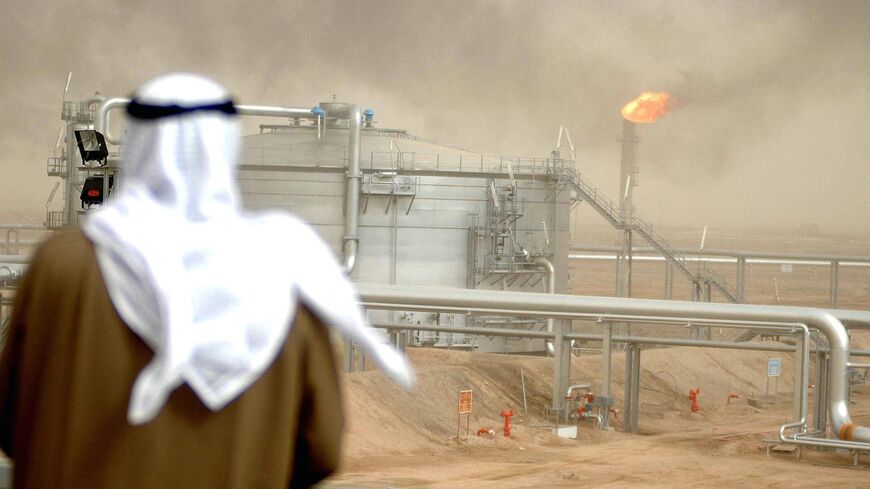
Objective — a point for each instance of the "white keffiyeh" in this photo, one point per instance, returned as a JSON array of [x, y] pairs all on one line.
[[213, 290]]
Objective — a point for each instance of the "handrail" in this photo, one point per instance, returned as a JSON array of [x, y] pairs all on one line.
[[606, 208]]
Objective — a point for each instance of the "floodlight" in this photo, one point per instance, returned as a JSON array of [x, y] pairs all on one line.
[[92, 146]]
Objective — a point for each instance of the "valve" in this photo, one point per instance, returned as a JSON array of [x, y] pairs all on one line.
[[485, 431], [506, 414], [693, 396]]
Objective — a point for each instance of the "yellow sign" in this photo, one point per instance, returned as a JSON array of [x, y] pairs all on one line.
[[464, 402]]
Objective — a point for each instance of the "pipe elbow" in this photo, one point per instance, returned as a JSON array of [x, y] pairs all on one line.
[[350, 256], [101, 120], [546, 264]]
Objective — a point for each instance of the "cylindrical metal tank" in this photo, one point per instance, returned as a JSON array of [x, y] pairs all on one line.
[[423, 206]]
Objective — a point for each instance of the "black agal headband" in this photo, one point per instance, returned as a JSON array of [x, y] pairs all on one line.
[[139, 110]]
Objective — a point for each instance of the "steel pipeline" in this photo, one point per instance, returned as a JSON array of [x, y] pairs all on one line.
[[569, 306], [101, 119], [547, 265]]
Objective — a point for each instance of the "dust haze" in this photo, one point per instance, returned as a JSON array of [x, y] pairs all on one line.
[[771, 128]]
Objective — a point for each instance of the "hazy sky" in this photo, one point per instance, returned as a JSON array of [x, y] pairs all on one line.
[[774, 97]]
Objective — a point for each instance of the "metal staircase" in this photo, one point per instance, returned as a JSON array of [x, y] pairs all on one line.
[[604, 206]]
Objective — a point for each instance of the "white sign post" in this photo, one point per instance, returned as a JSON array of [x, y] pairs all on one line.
[[774, 369]]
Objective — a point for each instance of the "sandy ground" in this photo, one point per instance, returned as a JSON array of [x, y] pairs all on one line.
[[409, 439]]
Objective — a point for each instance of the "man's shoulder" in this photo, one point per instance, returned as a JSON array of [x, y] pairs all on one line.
[[63, 250]]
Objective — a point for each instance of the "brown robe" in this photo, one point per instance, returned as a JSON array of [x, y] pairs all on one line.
[[65, 380]]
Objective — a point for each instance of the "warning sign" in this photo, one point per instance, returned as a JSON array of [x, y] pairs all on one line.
[[773, 367], [464, 402]]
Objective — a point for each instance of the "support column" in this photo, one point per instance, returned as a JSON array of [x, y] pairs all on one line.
[[348, 355], [623, 277], [558, 367], [741, 279], [607, 362], [635, 386], [706, 332], [835, 272], [696, 291], [695, 331], [627, 252], [626, 396], [69, 206], [669, 280], [820, 408], [631, 401]]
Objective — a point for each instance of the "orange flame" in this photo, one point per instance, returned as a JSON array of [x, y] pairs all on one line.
[[648, 107]]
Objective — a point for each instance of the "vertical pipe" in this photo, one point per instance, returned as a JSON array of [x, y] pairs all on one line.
[[607, 361], [606, 358], [628, 272], [835, 272], [623, 279], [801, 374], [741, 279], [635, 386], [619, 266], [627, 165], [626, 396], [352, 190], [669, 280], [817, 401], [805, 373], [550, 271]]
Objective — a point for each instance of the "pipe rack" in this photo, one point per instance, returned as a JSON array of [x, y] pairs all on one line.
[[607, 308]]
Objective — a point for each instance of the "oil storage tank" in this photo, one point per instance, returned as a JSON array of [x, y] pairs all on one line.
[[429, 213]]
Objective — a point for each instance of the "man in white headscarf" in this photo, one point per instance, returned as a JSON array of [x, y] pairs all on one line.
[[176, 340]]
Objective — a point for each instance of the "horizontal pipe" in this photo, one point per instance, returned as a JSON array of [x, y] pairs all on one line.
[[572, 387], [850, 318], [708, 252], [101, 120], [17, 259], [24, 227], [569, 306], [270, 111], [811, 439], [513, 333], [640, 340]]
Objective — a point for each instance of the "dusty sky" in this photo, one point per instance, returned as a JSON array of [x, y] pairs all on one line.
[[771, 129]]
